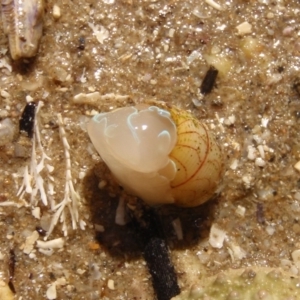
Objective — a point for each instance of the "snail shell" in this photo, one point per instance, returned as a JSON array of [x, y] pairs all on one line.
[[162, 155]]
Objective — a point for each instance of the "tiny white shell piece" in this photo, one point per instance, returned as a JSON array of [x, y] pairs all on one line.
[[51, 292], [216, 237]]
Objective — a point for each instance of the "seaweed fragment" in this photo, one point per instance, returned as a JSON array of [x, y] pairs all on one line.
[[156, 253], [163, 274], [26, 123], [209, 80]]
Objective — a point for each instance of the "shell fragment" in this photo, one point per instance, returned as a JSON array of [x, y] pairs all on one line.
[[23, 24]]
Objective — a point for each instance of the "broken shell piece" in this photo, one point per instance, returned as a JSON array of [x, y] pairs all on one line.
[[297, 166], [216, 236], [51, 292], [160, 155], [5, 292], [23, 24], [52, 244], [244, 28]]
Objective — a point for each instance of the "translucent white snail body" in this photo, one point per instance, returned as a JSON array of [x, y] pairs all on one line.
[[162, 155]]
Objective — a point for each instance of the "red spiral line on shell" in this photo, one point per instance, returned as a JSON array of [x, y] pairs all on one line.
[[207, 142]]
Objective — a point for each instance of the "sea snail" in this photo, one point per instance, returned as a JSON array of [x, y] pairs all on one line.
[[162, 155]]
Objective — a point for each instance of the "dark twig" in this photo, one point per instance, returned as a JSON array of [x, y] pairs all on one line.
[[11, 270], [209, 81]]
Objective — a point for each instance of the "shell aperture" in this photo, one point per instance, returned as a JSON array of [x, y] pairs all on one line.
[[158, 154]]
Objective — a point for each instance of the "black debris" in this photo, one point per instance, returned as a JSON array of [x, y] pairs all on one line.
[[163, 274], [26, 122], [41, 231], [280, 69], [11, 286], [11, 264], [81, 42], [148, 227], [209, 80], [260, 216], [11, 270]]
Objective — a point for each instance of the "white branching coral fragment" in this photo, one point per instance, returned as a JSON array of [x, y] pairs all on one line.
[[71, 197], [33, 180], [39, 183]]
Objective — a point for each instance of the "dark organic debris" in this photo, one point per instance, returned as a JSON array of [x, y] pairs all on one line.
[[11, 264], [11, 270], [156, 253], [26, 122], [11, 286], [280, 69], [260, 213], [209, 80], [41, 231], [81, 43], [296, 87], [163, 274]]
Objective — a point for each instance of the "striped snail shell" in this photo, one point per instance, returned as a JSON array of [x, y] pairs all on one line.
[[162, 155]]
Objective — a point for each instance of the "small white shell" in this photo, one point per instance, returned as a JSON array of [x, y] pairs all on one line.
[[162, 156]]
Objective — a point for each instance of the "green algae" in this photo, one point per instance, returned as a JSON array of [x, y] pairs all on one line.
[[245, 284]]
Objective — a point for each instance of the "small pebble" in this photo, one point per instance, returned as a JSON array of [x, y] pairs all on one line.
[[287, 31], [111, 284], [244, 28], [56, 12], [297, 166]]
